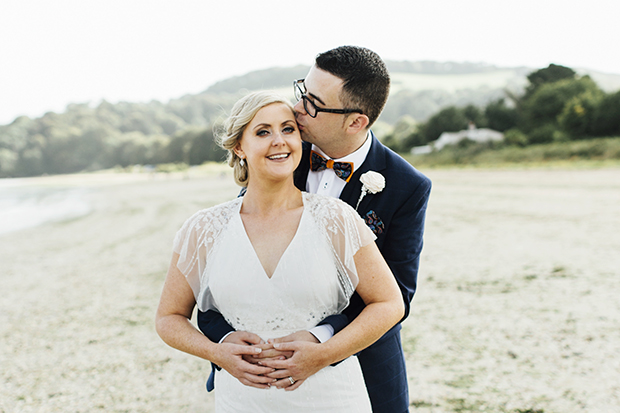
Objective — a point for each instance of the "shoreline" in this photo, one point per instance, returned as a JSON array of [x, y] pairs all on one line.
[[28, 207], [33, 201], [115, 176]]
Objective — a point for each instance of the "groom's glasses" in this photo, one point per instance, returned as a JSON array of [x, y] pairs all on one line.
[[301, 93]]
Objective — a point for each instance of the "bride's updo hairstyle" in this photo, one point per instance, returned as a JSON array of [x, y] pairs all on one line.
[[241, 115]]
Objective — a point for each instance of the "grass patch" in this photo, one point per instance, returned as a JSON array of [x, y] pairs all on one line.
[[461, 405], [559, 272], [462, 382], [481, 287], [420, 403]]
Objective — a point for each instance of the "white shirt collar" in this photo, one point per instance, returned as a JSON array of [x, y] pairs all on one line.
[[358, 157]]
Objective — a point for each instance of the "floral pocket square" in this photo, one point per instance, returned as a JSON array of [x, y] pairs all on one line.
[[374, 222]]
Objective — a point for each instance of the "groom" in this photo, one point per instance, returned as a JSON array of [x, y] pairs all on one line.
[[340, 98]]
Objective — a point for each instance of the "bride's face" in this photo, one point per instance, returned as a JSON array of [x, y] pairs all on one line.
[[271, 143]]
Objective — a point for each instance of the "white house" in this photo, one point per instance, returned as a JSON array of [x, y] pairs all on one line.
[[450, 138]]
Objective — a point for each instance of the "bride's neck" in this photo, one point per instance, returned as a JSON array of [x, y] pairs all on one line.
[[268, 199]]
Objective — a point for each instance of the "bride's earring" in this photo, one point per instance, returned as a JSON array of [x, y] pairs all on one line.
[[241, 162]]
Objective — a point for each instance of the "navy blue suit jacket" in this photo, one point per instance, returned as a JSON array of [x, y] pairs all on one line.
[[396, 215]]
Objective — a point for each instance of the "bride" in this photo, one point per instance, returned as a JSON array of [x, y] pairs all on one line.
[[272, 262]]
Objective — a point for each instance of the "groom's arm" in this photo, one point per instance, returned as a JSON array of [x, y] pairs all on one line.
[[213, 325], [336, 321]]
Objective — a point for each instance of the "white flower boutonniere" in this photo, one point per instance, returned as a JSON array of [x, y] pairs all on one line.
[[372, 182]]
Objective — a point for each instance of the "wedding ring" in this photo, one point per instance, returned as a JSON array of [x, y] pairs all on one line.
[[291, 380]]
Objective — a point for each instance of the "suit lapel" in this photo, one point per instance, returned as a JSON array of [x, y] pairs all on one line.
[[375, 161], [301, 173]]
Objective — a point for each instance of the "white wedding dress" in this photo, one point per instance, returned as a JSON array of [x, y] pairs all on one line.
[[315, 277]]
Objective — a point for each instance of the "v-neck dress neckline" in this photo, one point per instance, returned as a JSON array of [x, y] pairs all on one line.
[[249, 244]]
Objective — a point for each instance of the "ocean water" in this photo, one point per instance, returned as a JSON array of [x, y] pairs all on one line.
[[24, 207]]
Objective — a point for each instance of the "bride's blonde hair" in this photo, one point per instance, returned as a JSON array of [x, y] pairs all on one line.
[[241, 115]]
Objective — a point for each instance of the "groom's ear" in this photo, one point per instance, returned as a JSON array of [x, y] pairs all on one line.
[[357, 122]]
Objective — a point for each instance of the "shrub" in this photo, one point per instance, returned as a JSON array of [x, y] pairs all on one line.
[[515, 137], [578, 116], [500, 117], [542, 134], [607, 121]]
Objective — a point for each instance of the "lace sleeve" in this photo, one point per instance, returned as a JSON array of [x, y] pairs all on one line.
[[194, 243], [346, 231]]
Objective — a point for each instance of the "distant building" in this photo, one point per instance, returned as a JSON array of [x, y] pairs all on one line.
[[421, 150], [451, 138]]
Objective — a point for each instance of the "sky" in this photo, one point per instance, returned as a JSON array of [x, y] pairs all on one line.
[[75, 51]]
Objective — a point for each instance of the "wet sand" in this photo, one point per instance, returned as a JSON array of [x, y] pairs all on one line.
[[517, 305]]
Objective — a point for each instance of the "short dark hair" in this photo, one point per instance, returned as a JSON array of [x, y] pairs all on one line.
[[366, 81]]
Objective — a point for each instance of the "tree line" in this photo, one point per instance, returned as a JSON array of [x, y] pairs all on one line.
[[556, 106], [85, 138]]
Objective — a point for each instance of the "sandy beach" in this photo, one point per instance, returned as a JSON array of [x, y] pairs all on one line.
[[517, 307]]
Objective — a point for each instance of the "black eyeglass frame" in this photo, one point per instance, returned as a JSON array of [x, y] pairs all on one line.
[[301, 94]]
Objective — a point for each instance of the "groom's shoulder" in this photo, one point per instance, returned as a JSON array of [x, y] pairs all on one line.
[[398, 167]]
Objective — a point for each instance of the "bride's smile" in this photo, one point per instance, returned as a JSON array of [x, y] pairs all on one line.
[[278, 156]]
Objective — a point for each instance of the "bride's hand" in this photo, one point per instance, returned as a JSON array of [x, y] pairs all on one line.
[[251, 339], [230, 356], [243, 337], [302, 335], [269, 352], [306, 361]]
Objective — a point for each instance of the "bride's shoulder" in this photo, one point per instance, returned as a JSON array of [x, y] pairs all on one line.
[[213, 217], [318, 201], [202, 228], [337, 219], [327, 206]]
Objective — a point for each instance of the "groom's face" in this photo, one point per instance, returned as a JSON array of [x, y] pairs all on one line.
[[326, 129]]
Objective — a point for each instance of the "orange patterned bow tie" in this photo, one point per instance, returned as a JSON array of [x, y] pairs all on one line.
[[343, 170]]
